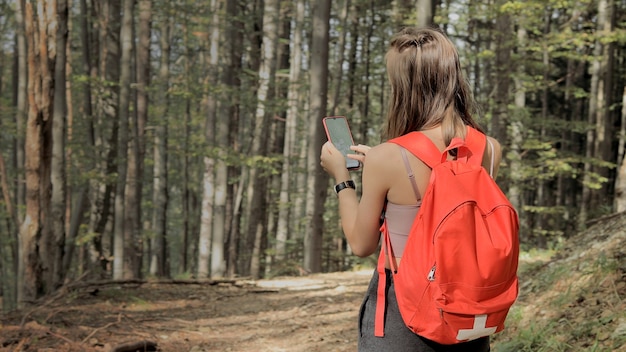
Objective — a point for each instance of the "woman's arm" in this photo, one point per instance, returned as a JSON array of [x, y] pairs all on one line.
[[359, 219]]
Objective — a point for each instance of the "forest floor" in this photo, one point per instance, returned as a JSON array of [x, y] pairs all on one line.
[[573, 299], [310, 313]]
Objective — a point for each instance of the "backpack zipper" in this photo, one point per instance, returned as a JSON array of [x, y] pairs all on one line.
[[431, 273]]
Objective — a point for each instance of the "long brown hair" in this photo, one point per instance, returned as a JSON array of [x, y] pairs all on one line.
[[428, 87]]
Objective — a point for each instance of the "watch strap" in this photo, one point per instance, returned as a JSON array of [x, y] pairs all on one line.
[[343, 185]]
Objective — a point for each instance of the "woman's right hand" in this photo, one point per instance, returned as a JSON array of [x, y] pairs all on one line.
[[362, 150]]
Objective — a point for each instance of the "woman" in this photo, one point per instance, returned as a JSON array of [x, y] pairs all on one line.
[[429, 94]]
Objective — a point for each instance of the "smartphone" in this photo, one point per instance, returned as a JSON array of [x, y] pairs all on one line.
[[338, 133]]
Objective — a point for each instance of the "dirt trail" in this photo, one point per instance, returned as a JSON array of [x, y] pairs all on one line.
[[313, 313]]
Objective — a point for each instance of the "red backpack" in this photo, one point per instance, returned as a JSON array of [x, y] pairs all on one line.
[[458, 276]]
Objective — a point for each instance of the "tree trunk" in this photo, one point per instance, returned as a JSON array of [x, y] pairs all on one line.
[[6, 193], [104, 127], [289, 145], [160, 195], [277, 135], [132, 221], [206, 219], [122, 249], [32, 260], [517, 138], [186, 196], [425, 12], [208, 244], [47, 17], [568, 188], [58, 177], [542, 197], [220, 139], [500, 77], [317, 183], [341, 48], [353, 78], [257, 185], [21, 108], [604, 116], [76, 195], [620, 182], [360, 129], [597, 116], [231, 74]]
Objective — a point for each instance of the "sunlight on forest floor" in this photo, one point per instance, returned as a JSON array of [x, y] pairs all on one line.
[[304, 283]]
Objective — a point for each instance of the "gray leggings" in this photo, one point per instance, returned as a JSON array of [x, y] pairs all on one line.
[[397, 336]]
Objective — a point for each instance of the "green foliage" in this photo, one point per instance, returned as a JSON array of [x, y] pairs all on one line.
[[550, 64], [84, 236], [268, 164]]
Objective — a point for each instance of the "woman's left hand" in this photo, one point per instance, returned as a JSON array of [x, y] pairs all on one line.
[[333, 162]]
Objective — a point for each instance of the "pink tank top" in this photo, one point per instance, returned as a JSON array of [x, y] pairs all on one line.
[[400, 217]]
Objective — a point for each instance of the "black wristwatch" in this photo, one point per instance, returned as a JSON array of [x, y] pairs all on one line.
[[343, 185]]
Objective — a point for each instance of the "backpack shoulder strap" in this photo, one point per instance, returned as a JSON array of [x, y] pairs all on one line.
[[476, 142], [421, 146]]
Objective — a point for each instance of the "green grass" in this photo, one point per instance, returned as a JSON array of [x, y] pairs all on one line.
[[570, 304]]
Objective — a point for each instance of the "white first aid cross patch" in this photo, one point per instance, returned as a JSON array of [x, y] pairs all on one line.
[[480, 329]]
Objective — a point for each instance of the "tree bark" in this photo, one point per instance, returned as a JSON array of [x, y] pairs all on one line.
[[32, 261], [341, 48], [21, 108], [517, 131], [425, 12], [620, 183], [231, 74], [122, 251], [58, 177], [160, 195], [318, 180], [500, 77], [220, 138], [597, 116], [257, 185], [207, 243], [605, 123], [136, 153], [47, 18], [363, 125], [6, 193], [104, 127], [289, 145], [76, 195]]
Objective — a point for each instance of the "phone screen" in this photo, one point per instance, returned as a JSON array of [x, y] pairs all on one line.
[[338, 132]]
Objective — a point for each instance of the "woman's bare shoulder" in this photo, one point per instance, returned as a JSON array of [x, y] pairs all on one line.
[[383, 152], [492, 156], [497, 148], [494, 141]]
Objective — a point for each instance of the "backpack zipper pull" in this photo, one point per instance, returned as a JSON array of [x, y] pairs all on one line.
[[431, 273]]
